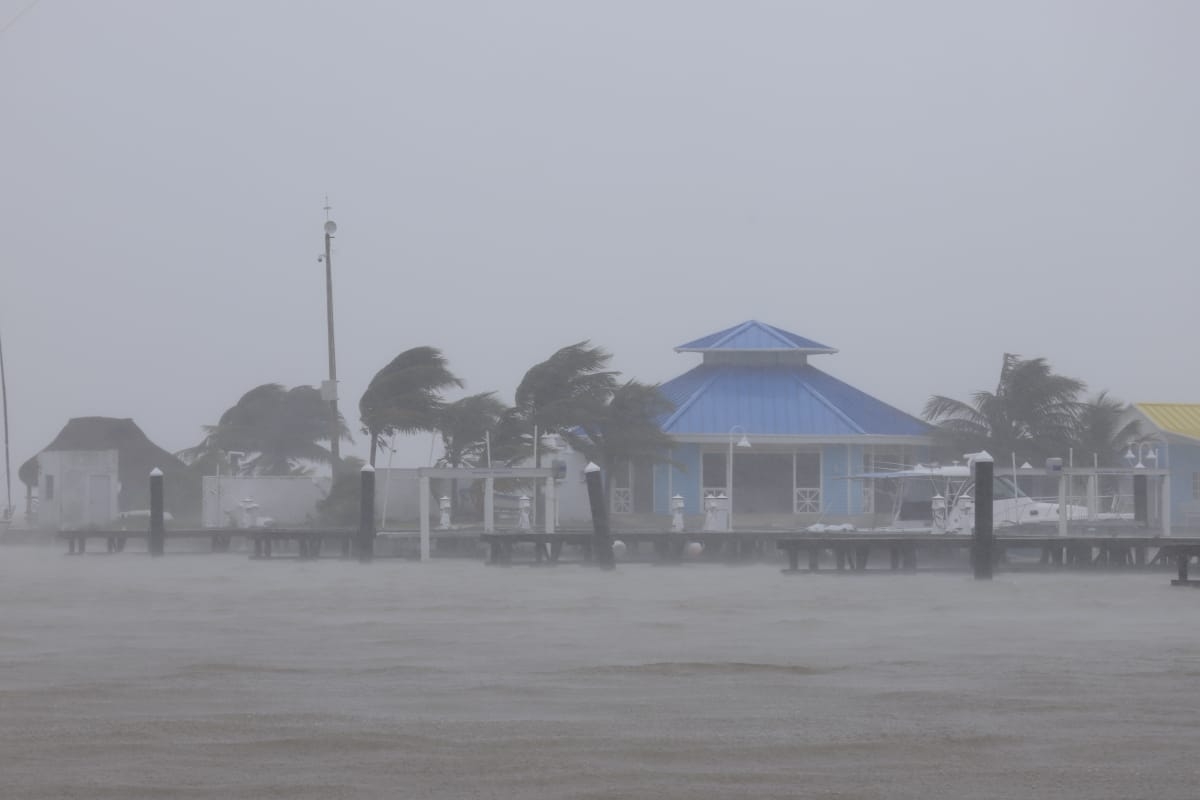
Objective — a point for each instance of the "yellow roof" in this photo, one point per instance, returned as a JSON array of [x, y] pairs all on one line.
[[1178, 418]]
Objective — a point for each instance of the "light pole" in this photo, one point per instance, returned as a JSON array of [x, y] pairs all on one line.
[[329, 389], [743, 442]]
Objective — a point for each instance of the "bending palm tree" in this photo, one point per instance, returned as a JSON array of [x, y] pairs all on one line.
[[568, 389], [1032, 412], [465, 426], [1104, 431], [279, 429], [405, 396], [626, 430]]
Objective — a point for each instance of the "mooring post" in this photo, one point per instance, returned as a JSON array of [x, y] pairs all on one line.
[[982, 541], [601, 537], [366, 516], [158, 533]]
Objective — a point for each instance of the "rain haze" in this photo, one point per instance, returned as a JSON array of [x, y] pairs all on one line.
[[924, 186]]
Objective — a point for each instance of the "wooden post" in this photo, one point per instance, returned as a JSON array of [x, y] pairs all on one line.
[[366, 516], [601, 538], [158, 534], [982, 541]]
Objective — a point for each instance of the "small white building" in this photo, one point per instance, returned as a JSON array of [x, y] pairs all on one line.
[[77, 488]]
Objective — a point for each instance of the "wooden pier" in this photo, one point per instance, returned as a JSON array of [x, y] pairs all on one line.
[[853, 551], [262, 542], [664, 546], [861, 552]]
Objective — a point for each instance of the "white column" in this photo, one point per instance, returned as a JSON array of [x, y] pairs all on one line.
[[423, 505], [1062, 503], [1165, 501], [489, 505], [548, 510], [849, 483], [1093, 495]]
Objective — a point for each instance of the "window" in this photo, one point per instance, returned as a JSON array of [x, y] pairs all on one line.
[[49, 487]]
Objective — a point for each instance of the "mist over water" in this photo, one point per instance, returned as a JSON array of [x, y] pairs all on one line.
[[218, 677]]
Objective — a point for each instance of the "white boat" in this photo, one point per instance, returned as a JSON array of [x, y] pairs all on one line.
[[940, 499]]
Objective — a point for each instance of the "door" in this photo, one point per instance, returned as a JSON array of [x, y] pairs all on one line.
[[99, 502]]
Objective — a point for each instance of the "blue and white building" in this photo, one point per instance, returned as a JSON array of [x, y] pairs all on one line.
[[795, 434], [1171, 441]]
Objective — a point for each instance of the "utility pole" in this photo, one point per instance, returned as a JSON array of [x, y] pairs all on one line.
[[7, 510], [329, 390]]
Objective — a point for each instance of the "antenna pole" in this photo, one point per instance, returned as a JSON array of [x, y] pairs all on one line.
[[334, 443], [7, 511]]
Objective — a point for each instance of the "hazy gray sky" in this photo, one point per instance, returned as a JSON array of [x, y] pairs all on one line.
[[924, 185]]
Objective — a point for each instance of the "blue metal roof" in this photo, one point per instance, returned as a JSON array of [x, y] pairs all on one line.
[[786, 400], [754, 336]]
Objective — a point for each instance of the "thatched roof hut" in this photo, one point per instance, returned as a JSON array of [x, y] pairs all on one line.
[[136, 454]]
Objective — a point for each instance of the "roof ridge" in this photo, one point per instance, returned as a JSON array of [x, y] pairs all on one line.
[[778, 333], [829, 404], [695, 395], [732, 332]]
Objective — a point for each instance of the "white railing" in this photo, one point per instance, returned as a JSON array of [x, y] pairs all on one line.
[[622, 501], [807, 501]]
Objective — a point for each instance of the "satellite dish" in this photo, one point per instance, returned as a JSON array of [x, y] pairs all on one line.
[[330, 228]]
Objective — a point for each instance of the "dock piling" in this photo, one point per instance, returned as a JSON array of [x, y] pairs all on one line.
[[601, 537], [158, 534], [366, 517], [983, 541]]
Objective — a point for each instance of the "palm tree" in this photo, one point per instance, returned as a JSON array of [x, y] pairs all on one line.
[[1033, 412], [280, 430], [405, 396], [625, 430], [1105, 430], [465, 426], [566, 390]]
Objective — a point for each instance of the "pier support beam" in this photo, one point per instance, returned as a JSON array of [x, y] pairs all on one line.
[[601, 537], [365, 544], [158, 534], [983, 542]]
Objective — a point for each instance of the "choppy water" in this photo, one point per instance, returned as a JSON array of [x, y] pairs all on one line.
[[218, 677]]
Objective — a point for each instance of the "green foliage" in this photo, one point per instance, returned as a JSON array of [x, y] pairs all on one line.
[[1105, 430], [569, 389], [405, 396], [280, 430], [465, 426], [1033, 413], [625, 427]]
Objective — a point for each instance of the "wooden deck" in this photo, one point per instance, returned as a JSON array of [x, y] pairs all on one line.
[[854, 551], [263, 542], [860, 552]]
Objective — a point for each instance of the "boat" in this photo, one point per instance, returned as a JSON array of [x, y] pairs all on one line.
[[936, 498]]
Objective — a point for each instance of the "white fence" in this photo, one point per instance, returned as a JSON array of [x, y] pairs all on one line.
[[248, 501]]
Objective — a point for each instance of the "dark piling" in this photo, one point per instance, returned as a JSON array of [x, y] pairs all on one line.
[[365, 544], [601, 536], [157, 539], [983, 543]]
